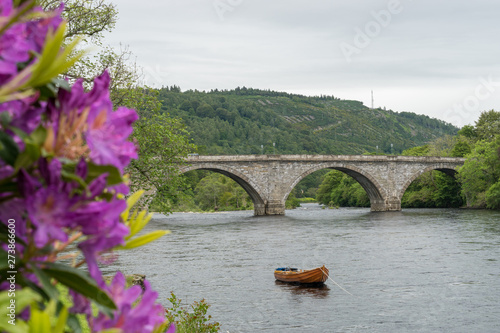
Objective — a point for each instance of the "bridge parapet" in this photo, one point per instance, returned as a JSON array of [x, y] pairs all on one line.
[[269, 179], [318, 158]]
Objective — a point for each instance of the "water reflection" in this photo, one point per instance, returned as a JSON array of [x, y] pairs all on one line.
[[315, 291]]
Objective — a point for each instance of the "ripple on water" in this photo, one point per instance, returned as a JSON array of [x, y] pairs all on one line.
[[426, 270]]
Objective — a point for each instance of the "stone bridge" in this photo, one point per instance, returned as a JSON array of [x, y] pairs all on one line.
[[269, 179]]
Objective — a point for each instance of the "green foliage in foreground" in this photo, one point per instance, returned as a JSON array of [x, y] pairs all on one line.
[[186, 322], [190, 322]]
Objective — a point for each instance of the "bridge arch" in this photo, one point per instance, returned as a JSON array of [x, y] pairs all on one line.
[[269, 179], [244, 181], [368, 182], [450, 170]]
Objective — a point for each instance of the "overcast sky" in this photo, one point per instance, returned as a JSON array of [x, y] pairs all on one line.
[[439, 58]]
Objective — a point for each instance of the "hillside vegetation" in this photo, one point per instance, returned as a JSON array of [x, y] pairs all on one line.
[[249, 121]]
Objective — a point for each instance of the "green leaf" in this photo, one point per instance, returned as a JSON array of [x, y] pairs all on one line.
[[52, 61], [8, 149], [131, 201], [61, 321], [5, 119], [48, 91], [33, 286], [47, 286], [94, 171], [39, 321], [53, 43], [24, 297], [3, 259], [80, 282], [9, 187], [74, 324], [30, 155], [143, 240], [71, 176], [138, 222], [38, 136], [33, 145], [20, 133]]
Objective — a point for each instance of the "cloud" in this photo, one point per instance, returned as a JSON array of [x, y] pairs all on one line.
[[429, 54]]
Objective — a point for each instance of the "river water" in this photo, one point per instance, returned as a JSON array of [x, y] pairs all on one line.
[[419, 270]]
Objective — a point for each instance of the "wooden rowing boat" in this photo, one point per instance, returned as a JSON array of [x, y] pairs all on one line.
[[294, 275]]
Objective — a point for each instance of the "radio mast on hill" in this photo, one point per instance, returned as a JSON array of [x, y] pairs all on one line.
[[372, 100]]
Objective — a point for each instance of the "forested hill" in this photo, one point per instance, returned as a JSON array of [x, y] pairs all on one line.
[[239, 121]]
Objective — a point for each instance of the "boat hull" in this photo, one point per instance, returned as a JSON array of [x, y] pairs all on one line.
[[316, 275]]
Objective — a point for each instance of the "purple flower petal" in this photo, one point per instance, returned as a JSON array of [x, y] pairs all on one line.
[[143, 317]]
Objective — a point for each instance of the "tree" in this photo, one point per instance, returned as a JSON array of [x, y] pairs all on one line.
[[442, 146], [209, 191], [488, 125], [331, 180], [493, 196], [468, 131], [205, 110], [480, 171], [339, 189], [87, 19], [447, 191], [417, 151], [461, 148], [163, 144]]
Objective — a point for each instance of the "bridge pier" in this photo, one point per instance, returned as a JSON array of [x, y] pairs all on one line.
[[390, 205], [259, 209], [275, 207], [393, 205]]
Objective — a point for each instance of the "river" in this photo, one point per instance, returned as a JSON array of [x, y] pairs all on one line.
[[419, 270]]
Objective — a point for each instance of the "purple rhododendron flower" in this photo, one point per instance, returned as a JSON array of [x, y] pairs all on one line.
[[53, 207], [108, 141], [25, 115], [22, 38], [107, 136], [84, 124], [46, 206], [37, 30], [5, 7], [5, 170], [139, 319], [81, 304], [47, 209], [108, 239], [52, 203]]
